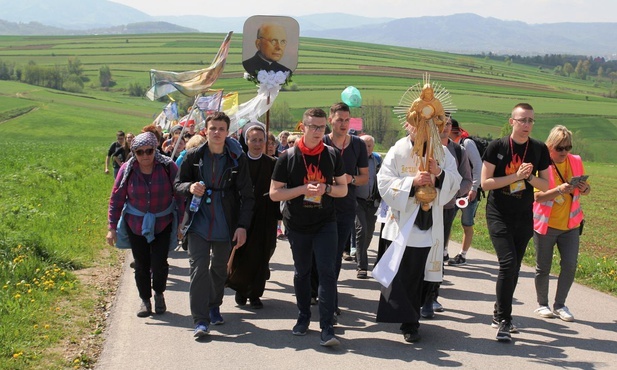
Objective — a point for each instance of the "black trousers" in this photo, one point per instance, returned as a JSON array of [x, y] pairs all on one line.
[[151, 267]]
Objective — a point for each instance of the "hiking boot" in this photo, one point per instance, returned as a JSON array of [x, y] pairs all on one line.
[[240, 299], [503, 332], [215, 316], [159, 304], [564, 314], [427, 311], [201, 329], [327, 337], [145, 309], [458, 260], [256, 303], [544, 311]]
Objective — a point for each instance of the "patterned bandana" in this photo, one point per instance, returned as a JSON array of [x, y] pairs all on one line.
[[144, 139]]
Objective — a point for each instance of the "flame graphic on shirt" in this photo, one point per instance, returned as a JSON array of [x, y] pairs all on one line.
[[514, 164], [314, 174]]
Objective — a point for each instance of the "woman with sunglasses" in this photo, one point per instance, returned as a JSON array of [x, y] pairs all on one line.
[[558, 219], [143, 216]]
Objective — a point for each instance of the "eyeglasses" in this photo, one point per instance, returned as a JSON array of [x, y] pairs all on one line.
[[275, 42], [208, 195], [523, 121], [141, 152], [316, 128], [567, 148]]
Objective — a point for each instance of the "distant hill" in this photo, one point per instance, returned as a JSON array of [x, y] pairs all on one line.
[[459, 33], [470, 33]]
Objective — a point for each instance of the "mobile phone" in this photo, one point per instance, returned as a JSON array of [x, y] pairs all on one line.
[[576, 179]]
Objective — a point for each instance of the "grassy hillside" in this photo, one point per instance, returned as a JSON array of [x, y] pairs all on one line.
[[483, 90], [53, 192]]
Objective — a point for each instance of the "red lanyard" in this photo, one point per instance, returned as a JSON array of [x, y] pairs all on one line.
[[318, 161]]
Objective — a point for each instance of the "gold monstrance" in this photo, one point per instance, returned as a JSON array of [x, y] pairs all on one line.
[[424, 106]]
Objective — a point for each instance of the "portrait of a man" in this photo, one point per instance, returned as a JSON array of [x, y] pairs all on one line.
[[271, 45]]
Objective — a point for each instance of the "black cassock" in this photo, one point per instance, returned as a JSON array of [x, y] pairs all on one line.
[[250, 268]]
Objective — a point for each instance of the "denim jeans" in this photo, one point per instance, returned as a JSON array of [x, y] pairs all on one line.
[[567, 242], [345, 224], [321, 246]]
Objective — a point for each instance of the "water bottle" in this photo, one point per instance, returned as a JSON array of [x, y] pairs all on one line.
[[196, 201]]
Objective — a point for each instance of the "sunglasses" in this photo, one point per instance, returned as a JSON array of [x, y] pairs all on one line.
[[567, 148], [141, 152], [208, 195]]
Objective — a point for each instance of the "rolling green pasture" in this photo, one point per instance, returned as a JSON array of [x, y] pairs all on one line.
[[53, 192]]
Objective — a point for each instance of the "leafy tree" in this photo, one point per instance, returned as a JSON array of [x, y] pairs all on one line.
[[281, 117], [75, 67], [136, 89], [506, 129], [73, 84], [105, 77], [376, 119], [600, 71], [568, 69]]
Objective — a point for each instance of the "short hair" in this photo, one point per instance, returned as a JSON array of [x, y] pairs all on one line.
[[313, 112], [559, 135], [271, 137], [293, 138], [152, 128], [218, 116], [524, 106], [195, 141], [120, 133], [283, 133], [339, 107]]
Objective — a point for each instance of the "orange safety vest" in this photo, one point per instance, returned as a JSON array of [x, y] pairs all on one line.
[[542, 211]]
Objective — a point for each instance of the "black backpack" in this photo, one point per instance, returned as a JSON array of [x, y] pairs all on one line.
[[481, 144]]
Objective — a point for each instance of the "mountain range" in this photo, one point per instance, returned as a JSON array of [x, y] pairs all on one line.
[[459, 33]]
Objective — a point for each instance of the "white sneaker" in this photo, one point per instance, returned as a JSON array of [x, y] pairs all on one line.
[[564, 314], [544, 311]]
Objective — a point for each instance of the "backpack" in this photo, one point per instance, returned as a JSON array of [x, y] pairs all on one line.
[[481, 144]]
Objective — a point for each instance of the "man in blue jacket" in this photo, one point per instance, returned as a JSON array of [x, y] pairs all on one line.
[[218, 172]]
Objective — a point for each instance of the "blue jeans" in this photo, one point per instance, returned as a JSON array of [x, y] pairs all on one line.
[[321, 245], [468, 214]]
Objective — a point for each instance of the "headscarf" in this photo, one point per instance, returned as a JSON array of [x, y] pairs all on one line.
[[254, 126], [143, 139]]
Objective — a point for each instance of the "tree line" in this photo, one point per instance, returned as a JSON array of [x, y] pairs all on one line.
[[577, 66], [69, 77]]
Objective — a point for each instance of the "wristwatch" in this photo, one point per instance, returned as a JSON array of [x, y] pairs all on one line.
[[529, 178], [353, 180], [328, 188]]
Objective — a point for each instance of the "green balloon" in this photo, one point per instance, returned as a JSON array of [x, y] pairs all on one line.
[[351, 96]]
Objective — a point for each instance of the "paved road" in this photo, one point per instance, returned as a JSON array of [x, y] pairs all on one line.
[[459, 337]]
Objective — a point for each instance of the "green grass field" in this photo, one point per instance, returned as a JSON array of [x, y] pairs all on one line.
[[54, 194]]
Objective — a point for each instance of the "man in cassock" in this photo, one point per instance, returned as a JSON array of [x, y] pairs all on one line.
[[416, 235], [250, 266]]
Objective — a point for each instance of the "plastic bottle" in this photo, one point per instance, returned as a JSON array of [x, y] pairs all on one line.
[[196, 201]]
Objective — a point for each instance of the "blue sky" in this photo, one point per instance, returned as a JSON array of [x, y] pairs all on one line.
[[529, 11]]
